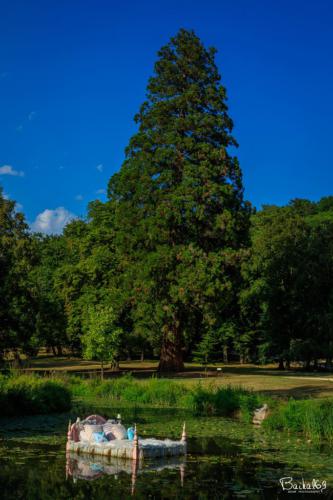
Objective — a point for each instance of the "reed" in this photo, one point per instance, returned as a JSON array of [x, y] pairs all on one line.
[[313, 418], [200, 399]]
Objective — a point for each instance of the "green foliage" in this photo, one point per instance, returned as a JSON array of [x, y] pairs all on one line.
[[286, 302], [50, 330], [29, 395], [201, 400], [207, 349], [18, 305], [222, 400], [313, 418], [156, 392], [102, 337]]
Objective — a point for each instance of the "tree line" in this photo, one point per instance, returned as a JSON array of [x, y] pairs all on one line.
[[176, 264]]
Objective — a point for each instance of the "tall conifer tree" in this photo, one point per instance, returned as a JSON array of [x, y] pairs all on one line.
[[180, 218]]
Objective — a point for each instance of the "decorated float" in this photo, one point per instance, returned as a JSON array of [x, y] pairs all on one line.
[[96, 435]]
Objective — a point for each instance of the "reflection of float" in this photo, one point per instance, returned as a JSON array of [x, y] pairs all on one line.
[[89, 468]]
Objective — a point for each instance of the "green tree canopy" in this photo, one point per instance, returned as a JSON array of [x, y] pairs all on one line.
[[102, 337], [18, 305], [287, 303]]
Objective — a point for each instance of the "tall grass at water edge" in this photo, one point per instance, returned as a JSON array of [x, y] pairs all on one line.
[[200, 399], [312, 418]]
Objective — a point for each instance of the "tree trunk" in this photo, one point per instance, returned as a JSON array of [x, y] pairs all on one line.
[[171, 357], [114, 365], [102, 370], [17, 363], [225, 354], [142, 358], [281, 364]]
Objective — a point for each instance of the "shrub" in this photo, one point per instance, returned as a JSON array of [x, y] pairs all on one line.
[[28, 395]]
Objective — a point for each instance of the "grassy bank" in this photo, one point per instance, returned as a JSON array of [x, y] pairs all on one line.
[[30, 395], [312, 418], [200, 399], [262, 379]]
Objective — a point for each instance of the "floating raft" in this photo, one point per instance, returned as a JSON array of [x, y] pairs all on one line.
[[126, 449]]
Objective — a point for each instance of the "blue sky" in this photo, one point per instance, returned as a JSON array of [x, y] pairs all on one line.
[[73, 74]]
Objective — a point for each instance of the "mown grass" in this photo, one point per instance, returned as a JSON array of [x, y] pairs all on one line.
[[30, 395], [266, 378]]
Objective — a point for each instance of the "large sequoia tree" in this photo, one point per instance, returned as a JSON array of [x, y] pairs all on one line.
[[180, 219]]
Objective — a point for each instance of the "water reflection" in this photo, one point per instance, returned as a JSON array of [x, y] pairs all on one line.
[[89, 468]]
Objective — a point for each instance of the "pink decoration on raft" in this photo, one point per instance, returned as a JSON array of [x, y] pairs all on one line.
[[73, 433], [183, 439], [135, 445]]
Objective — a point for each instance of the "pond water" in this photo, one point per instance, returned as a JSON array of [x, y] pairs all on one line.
[[226, 459]]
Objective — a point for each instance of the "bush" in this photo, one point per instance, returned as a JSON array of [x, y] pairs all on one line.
[[29, 395]]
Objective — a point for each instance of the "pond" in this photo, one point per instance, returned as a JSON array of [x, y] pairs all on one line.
[[226, 459]]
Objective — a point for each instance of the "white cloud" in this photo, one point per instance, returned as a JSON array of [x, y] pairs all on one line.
[[100, 167], [79, 197], [19, 128], [31, 115], [101, 191], [8, 170], [52, 221]]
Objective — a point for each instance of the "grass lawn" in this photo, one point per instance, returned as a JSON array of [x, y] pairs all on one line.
[[264, 379]]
